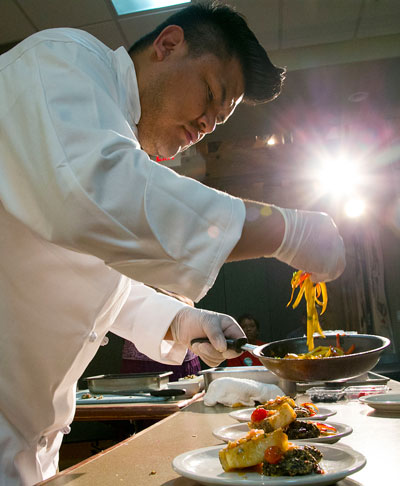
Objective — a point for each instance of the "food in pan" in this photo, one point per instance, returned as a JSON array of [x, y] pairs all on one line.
[[273, 452], [323, 351], [312, 293]]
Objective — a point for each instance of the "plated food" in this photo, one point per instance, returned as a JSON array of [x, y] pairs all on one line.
[[285, 417], [280, 414], [304, 410], [203, 465], [244, 415], [262, 451], [272, 453], [233, 432]]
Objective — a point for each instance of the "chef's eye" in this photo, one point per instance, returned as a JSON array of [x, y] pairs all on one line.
[[209, 94]]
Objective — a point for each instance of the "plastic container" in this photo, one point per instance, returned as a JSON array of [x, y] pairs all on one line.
[[355, 392], [326, 394]]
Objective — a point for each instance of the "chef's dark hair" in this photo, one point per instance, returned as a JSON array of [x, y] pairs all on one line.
[[212, 27]]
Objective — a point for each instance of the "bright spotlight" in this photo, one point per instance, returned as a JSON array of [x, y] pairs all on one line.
[[354, 207], [338, 176]]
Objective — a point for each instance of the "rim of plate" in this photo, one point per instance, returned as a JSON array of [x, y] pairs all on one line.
[[345, 431], [328, 413], [381, 399]]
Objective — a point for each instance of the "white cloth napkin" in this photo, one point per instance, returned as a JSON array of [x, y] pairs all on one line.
[[239, 391]]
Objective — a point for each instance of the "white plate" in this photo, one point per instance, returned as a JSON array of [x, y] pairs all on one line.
[[203, 465], [234, 432], [389, 402], [244, 415]]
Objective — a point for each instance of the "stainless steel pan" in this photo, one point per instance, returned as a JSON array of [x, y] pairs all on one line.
[[368, 349]]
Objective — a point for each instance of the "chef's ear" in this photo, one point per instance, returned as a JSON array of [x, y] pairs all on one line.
[[169, 39]]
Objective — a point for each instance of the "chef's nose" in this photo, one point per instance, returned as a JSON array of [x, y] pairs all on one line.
[[207, 122]]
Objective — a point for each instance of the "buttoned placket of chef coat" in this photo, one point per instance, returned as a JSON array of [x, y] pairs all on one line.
[[47, 453], [92, 336]]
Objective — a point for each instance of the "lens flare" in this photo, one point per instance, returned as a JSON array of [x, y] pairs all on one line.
[[354, 207], [338, 176]]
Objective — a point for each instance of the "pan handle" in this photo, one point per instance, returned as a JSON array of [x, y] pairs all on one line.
[[238, 344]]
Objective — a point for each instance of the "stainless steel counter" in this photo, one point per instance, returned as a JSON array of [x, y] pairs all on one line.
[[145, 459]]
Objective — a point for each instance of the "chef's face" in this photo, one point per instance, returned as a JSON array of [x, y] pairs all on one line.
[[185, 97]]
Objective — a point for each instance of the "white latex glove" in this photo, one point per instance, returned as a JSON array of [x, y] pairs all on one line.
[[190, 323], [312, 243]]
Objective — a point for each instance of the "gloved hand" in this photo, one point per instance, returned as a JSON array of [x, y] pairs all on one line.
[[190, 323], [312, 243]]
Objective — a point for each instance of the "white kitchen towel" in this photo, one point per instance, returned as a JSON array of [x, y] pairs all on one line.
[[239, 391]]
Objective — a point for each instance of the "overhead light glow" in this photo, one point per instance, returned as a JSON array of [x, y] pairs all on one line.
[[338, 176], [124, 7], [271, 140], [354, 208]]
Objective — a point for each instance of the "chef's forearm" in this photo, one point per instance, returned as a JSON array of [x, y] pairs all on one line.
[[262, 234]]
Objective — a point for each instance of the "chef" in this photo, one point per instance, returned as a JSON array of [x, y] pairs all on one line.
[[88, 220]]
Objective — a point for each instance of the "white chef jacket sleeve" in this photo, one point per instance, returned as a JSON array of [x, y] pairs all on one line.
[[73, 172], [145, 318]]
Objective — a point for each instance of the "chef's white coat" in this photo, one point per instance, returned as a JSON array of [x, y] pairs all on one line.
[[85, 216]]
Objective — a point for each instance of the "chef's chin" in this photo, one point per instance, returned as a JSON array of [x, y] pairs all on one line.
[[168, 152], [160, 150]]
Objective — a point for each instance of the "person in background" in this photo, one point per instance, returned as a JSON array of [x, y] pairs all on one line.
[[251, 328], [88, 221], [133, 361]]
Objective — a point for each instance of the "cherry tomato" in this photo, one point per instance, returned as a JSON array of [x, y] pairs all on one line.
[[273, 455], [259, 414]]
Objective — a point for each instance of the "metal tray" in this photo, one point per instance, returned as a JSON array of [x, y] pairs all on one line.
[[113, 398], [129, 383], [257, 373]]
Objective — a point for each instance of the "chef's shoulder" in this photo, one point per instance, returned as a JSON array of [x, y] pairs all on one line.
[[59, 36]]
